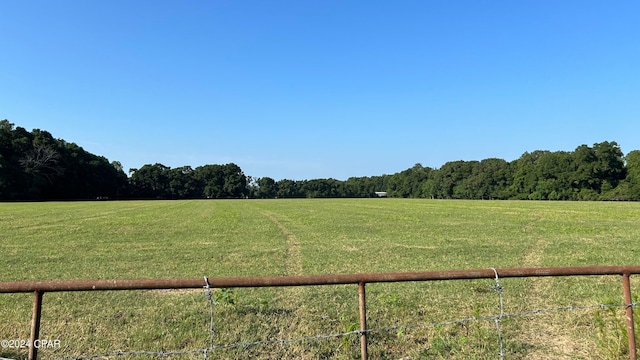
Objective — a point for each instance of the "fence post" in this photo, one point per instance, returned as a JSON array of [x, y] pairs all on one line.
[[631, 334], [363, 321], [35, 324]]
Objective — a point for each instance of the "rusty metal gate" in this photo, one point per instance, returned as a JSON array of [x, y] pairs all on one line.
[[38, 288]]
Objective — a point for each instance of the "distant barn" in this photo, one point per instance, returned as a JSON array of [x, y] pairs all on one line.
[[381, 193]]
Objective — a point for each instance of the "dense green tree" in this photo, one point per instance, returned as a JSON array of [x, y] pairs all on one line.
[[355, 187], [14, 143], [525, 176], [449, 179], [287, 188], [489, 179], [609, 168], [222, 181], [363, 187], [408, 183], [88, 176], [151, 181], [266, 188], [212, 179], [583, 166], [629, 188], [542, 175], [235, 182], [554, 173], [321, 188], [36, 166], [183, 184], [596, 170]]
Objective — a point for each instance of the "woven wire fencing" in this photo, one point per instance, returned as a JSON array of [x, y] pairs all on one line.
[[359, 316]]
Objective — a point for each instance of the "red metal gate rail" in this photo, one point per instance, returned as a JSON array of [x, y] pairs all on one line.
[[40, 287]]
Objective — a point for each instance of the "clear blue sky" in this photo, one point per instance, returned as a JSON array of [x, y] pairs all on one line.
[[318, 89]]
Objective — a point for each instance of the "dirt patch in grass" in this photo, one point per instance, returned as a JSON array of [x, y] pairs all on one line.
[[549, 336], [293, 261]]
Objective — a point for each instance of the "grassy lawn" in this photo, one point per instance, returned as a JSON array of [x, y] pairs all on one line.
[[166, 239]]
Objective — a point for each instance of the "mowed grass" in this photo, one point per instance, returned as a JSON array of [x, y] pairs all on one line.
[[171, 239]]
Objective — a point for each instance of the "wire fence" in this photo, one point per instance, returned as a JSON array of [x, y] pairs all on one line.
[[494, 319], [210, 284]]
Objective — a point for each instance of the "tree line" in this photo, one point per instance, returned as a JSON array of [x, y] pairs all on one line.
[[36, 166]]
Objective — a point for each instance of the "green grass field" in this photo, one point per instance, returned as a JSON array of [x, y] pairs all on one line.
[[166, 239]]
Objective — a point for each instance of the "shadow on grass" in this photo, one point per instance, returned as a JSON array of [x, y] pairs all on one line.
[[252, 310], [12, 355]]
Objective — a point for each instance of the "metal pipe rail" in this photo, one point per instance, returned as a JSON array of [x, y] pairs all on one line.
[[40, 287]]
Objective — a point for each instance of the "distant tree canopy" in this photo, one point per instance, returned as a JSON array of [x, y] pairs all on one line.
[[36, 166], [600, 172], [209, 181]]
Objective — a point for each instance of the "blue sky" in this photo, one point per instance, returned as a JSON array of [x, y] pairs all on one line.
[[319, 89]]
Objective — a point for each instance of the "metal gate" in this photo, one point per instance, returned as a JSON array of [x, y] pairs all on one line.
[[38, 288]]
